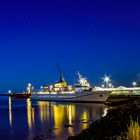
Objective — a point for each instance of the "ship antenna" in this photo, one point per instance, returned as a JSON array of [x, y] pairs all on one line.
[[61, 75], [79, 75]]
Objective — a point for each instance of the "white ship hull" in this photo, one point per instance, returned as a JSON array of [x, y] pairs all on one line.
[[85, 96]]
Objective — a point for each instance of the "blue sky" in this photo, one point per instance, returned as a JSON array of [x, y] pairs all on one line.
[[92, 36]]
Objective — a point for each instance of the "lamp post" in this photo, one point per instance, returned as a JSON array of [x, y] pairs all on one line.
[[103, 85], [29, 88], [106, 80], [9, 91], [134, 84], [41, 87], [110, 85]]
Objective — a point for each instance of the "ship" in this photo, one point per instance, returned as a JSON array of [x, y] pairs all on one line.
[[20, 95], [81, 91], [25, 95]]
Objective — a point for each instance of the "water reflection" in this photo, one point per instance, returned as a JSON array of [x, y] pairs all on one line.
[[33, 116], [29, 113], [44, 112], [48, 118], [84, 119], [10, 110], [105, 112], [71, 116], [78, 115], [71, 113], [30, 118]]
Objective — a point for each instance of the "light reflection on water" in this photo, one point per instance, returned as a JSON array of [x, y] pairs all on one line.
[[27, 119], [10, 111], [29, 114]]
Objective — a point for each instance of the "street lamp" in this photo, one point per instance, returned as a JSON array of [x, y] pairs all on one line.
[[110, 85], [106, 80], [103, 86], [29, 88], [134, 84], [9, 91], [29, 85]]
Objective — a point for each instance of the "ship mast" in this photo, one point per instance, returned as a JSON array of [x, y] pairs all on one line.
[[60, 73], [82, 80]]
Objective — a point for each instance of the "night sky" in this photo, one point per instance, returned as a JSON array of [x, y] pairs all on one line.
[[91, 36]]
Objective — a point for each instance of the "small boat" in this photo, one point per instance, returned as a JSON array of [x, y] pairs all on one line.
[[20, 95]]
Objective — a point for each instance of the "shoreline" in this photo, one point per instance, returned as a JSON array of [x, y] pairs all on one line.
[[113, 125]]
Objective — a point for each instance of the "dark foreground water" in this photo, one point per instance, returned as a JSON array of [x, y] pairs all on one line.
[[25, 119]]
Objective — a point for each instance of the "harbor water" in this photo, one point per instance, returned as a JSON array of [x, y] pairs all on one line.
[[24, 119]]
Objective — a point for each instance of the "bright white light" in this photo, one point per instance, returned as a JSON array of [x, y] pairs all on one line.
[[106, 79], [41, 87], [105, 112], [110, 85], [134, 84], [9, 91], [29, 85], [103, 86]]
